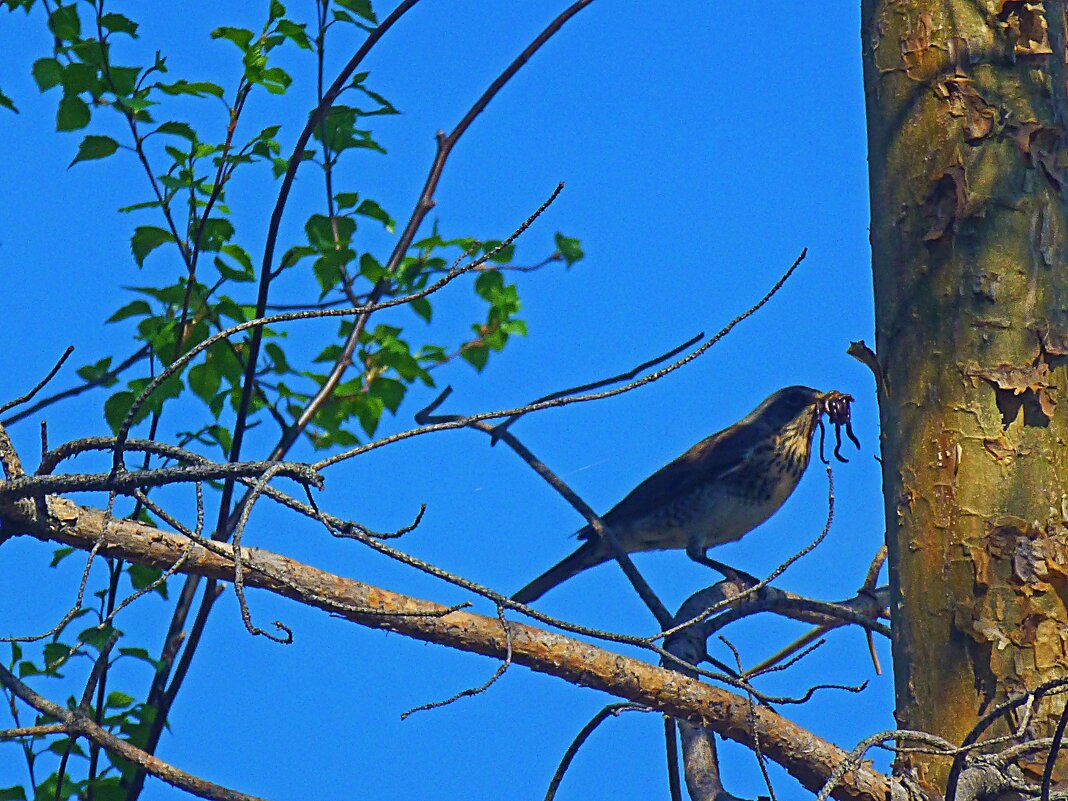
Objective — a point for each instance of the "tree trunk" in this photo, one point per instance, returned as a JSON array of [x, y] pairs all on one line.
[[966, 103]]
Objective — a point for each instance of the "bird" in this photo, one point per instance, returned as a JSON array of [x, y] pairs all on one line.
[[718, 491]]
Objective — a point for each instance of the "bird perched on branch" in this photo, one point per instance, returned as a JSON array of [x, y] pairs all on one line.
[[718, 491]]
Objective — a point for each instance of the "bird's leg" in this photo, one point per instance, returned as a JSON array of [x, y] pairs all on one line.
[[699, 554]]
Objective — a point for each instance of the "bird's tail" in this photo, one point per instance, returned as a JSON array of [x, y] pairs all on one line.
[[589, 554]]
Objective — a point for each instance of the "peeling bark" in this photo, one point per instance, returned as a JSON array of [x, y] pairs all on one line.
[[966, 115]]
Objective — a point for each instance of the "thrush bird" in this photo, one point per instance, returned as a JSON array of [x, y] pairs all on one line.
[[718, 491]]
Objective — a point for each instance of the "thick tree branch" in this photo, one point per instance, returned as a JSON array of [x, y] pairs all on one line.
[[807, 757]]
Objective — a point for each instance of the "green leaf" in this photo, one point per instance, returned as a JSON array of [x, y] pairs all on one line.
[[195, 88], [517, 327], [177, 129], [124, 80], [117, 23], [238, 254], [275, 80], [98, 372], [502, 256], [213, 233], [321, 231], [569, 248], [136, 308], [141, 576], [476, 356], [72, 114], [47, 72], [12, 794], [56, 652], [384, 106], [205, 380], [171, 387], [148, 204], [242, 37], [295, 33], [59, 554], [64, 23], [346, 200], [222, 435], [338, 129], [278, 357], [139, 654], [94, 147], [7, 102], [116, 408], [277, 10], [147, 238], [96, 637], [489, 284], [389, 391], [359, 7], [370, 208], [327, 273], [232, 274], [295, 254], [421, 306], [107, 788], [370, 268], [117, 700], [78, 77], [60, 747], [368, 411]]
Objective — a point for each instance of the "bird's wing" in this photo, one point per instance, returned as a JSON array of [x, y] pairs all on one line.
[[710, 459]]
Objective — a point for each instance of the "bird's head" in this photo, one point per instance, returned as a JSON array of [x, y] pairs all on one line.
[[794, 412], [795, 408]]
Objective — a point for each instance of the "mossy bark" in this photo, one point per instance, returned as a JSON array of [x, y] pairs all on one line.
[[966, 103]]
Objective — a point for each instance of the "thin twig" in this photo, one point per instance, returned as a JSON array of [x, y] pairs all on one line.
[[566, 401], [641, 586], [753, 590], [32, 731], [612, 710], [482, 687], [627, 376], [39, 486], [257, 324], [671, 744], [21, 399], [77, 723], [1054, 751], [71, 392], [762, 760], [239, 585]]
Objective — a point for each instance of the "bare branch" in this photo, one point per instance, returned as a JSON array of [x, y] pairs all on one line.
[[612, 710], [21, 399], [565, 401], [129, 482], [480, 688], [71, 392], [641, 586], [32, 731], [807, 757], [603, 382], [76, 723], [671, 743]]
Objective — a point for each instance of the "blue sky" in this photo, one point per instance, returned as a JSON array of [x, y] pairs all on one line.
[[703, 146]]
